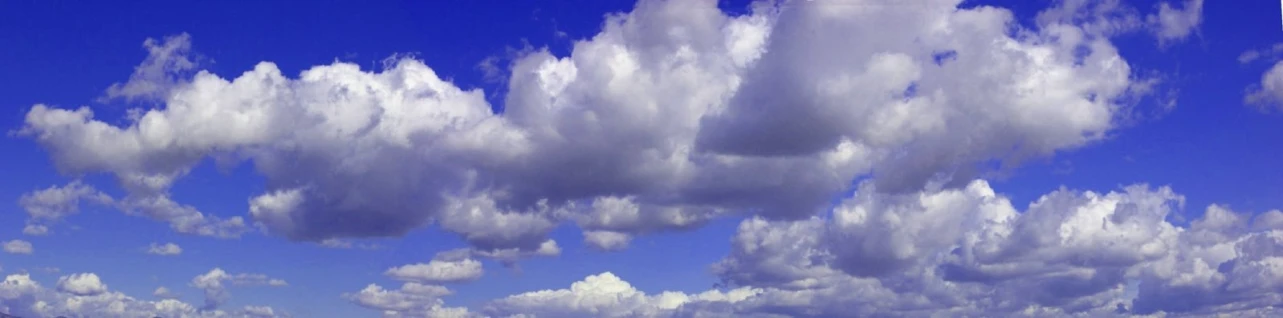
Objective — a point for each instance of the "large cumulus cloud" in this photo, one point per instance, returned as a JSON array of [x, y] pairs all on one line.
[[675, 113]]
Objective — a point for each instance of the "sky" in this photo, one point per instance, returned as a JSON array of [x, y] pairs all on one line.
[[679, 158]]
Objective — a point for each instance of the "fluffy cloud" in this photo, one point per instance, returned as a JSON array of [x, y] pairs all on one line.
[[18, 247], [968, 251], [1268, 95], [607, 240], [215, 282], [605, 295], [84, 295], [675, 113], [1173, 24], [438, 271], [166, 249], [412, 300], [84, 284]]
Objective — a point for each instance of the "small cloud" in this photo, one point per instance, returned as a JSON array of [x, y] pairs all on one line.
[[83, 284], [35, 230], [164, 293], [607, 240], [18, 247], [166, 249]]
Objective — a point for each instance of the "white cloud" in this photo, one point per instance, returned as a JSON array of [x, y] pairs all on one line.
[[1268, 95], [1174, 24], [970, 252], [214, 284], [164, 293], [83, 284], [412, 300], [438, 271], [35, 230], [607, 240], [605, 295], [160, 73], [166, 249], [18, 247], [84, 295], [673, 114], [49, 206]]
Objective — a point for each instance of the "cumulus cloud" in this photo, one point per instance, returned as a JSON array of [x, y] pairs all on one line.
[[674, 114], [84, 295], [83, 284], [1174, 24], [438, 271], [167, 249], [607, 240], [18, 247], [215, 282], [411, 300], [605, 295], [968, 251], [1267, 96]]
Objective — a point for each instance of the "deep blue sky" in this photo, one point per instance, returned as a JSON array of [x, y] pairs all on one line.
[[1210, 147]]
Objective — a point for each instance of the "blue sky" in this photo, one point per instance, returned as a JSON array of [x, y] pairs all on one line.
[[710, 153]]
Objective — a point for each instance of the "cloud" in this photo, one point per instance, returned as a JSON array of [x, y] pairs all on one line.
[[411, 300], [1269, 54], [160, 73], [84, 295], [968, 251], [604, 295], [676, 113], [18, 247], [164, 293], [214, 283], [83, 284], [49, 206], [35, 230], [607, 240], [167, 249], [438, 271], [1173, 24], [1267, 96]]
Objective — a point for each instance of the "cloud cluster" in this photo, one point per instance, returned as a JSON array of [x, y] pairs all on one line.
[[675, 113], [214, 283], [970, 252], [85, 295], [963, 252]]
